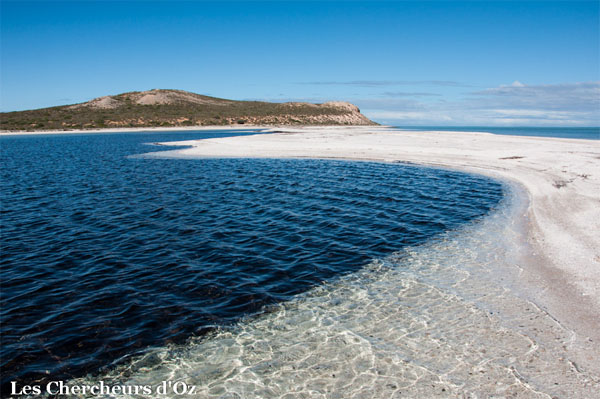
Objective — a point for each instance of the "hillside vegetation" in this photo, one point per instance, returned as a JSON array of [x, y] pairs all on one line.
[[157, 108]]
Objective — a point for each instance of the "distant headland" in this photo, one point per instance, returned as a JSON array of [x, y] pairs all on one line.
[[178, 108]]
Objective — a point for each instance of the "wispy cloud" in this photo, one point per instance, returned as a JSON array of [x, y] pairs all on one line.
[[409, 94], [515, 104], [580, 96], [379, 83], [565, 104]]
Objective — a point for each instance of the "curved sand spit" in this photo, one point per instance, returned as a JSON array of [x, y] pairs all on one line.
[[562, 177]]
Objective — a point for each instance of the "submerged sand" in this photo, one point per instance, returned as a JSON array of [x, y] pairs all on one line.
[[561, 177], [505, 306], [428, 321]]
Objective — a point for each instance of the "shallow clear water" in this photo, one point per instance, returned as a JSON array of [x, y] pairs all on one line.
[[105, 254], [588, 133], [437, 320]]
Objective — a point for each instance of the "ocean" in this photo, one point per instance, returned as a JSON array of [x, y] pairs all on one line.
[[588, 133], [258, 278]]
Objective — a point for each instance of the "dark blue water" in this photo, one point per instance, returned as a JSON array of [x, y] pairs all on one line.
[[589, 133], [104, 254]]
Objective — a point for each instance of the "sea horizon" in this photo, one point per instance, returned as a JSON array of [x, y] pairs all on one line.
[[565, 132]]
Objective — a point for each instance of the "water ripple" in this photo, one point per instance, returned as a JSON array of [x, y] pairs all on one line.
[[104, 254]]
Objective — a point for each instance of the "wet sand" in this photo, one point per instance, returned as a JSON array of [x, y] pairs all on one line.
[[562, 271]]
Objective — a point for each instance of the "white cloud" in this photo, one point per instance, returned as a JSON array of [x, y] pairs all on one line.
[[514, 104], [565, 104], [564, 96]]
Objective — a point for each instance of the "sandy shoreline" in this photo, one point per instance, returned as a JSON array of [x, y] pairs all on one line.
[[136, 130], [560, 176]]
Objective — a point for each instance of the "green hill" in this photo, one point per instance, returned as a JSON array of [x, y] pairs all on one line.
[[155, 108]]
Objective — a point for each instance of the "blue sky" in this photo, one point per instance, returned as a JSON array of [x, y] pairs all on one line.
[[406, 63]]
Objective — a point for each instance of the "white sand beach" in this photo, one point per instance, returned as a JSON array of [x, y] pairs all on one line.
[[561, 177]]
